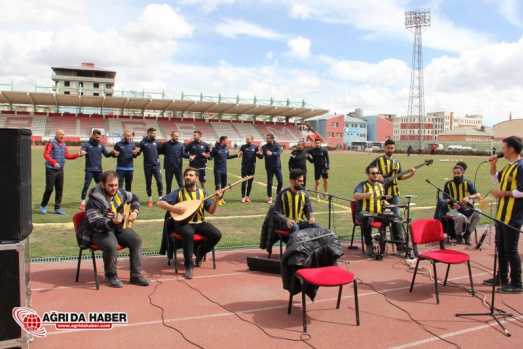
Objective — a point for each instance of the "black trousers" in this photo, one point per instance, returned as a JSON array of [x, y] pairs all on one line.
[[247, 186], [108, 243], [90, 175], [187, 230], [54, 179], [169, 174], [125, 177], [149, 172], [271, 172]]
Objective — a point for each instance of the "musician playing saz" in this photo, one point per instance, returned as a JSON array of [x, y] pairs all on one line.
[[367, 194], [461, 211], [197, 224], [390, 166]]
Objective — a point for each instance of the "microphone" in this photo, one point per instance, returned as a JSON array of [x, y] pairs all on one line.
[[429, 182], [499, 156]]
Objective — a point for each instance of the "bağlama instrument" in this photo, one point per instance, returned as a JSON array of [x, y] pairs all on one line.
[[192, 206]]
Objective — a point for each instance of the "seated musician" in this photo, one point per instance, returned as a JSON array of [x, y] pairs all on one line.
[[196, 224], [368, 194], [461, 210], [107, 232], [292, 204]]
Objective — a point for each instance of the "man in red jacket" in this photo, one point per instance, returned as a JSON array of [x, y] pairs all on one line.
[[55, 154]]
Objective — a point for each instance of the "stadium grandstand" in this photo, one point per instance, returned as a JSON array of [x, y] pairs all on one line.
[[215, 117]]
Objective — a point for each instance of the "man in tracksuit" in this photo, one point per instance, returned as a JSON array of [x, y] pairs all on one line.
[[124, 161], [174, 153], [149, 146], [220, 155], [298, 159], [94, 150], [248, 153], [272, 151], [55, 154], [198, 152], [320, 158]]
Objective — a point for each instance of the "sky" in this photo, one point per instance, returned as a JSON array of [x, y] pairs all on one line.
[[333, 54]]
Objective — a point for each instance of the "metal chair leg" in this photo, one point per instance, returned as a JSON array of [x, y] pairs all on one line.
[[95, 271], [78, 266]]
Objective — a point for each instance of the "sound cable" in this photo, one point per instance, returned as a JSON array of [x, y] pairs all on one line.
[[158, 283], [304, 337]]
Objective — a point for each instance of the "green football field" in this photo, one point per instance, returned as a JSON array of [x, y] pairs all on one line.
[[53, 235]]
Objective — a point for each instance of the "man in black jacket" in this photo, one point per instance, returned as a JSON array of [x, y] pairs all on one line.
[[127, 151], [101, 229], [198, 152], [174, 153], [248, 152], [220, 155], [272, 151], [298, 159], [151, 164], [93, 150]]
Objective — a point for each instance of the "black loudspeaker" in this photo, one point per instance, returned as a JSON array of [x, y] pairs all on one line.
[[15, 290], [15, 185], [264, 265]]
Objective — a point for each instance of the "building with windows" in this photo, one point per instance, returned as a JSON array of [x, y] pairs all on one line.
[[379, 127], [341, 130], [84, 80]]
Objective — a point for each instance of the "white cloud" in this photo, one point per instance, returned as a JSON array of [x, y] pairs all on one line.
[[300, 47], [208, 6], [510, 9], [232, 28], [159, 22]]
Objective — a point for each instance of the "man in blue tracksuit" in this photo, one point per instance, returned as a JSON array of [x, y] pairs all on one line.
[[94, 149], [149, 146], [174, 153], [220, 155], [320, 158], [248, 153], [124, 161], [198, 152], [272, 151]]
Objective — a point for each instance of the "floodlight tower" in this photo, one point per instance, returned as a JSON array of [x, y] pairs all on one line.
[[417, 21]]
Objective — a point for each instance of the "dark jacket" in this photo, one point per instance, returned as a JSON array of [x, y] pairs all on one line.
[[149, 148], [197, 148], [319, 157], [95, 220], [268, 237], [272, 161], [298, 159], [93, 158], [173, 155], [309, 248], [220, 155], [124, 160], [249, 155]]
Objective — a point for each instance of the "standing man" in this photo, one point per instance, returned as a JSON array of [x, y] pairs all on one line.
[[462, 190], [94, 149], [433, 149], [390, 166], [272, 151], [197, 224], [107, 233], [174, 153], [124, 161], [368, 195], [248, 153], [293, 205], [510, 208], [55, 154], [151, 164], [320, 158], [198, 152], [298, 159], [220, 155]]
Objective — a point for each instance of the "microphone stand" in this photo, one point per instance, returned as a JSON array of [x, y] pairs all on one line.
[[494, 312], [330, 197]]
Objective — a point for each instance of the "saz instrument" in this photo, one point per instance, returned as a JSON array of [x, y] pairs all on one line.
[[125, 211], [388, 181], [192, 206]]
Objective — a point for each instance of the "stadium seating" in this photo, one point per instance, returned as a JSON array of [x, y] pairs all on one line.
[[186, 129], [283, 133]]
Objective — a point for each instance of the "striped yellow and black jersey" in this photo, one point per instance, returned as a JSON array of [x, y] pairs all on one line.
[[388, 168], [371, 204], [458, 191], [293, 206], [510, 209], [182, 194]]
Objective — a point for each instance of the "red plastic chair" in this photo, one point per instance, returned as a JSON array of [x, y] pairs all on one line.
[[77, 219], [425, 231], [197, 237], [356, 223], [282, 234], [331, 276]]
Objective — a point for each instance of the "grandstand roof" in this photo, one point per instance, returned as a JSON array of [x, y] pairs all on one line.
[[60, 100]]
